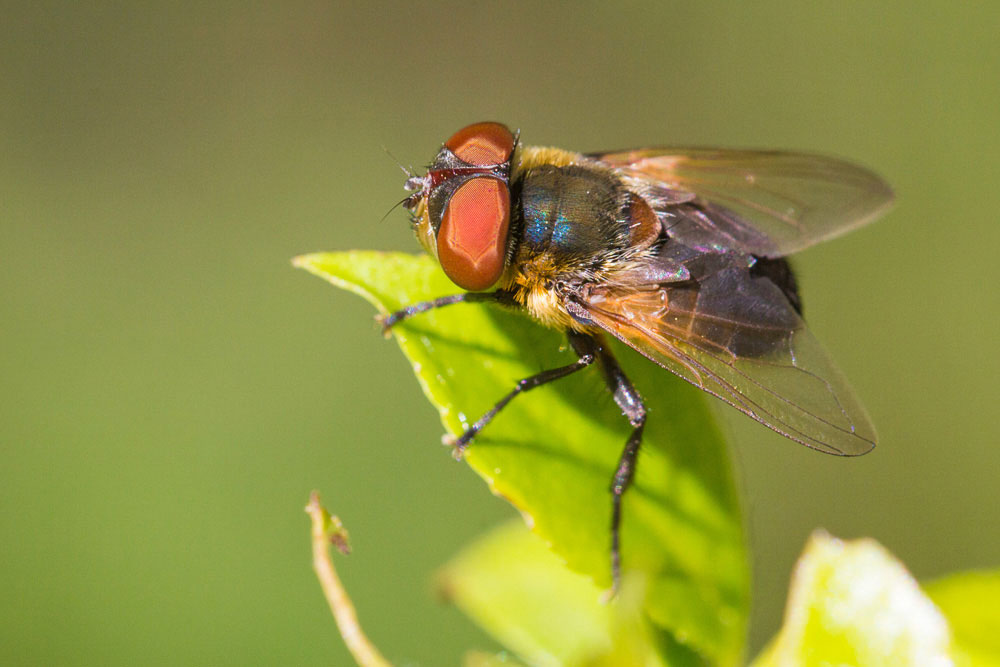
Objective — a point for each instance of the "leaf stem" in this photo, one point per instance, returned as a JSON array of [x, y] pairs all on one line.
[[327, 530]]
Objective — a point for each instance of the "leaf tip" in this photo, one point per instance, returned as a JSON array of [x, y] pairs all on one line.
[[304, 261]]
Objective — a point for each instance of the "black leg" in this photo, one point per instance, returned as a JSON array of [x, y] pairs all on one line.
[[620, 483], [527, 384], [632, 407], [392, 319]]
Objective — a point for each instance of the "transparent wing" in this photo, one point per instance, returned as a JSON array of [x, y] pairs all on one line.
[[735, 336], [768, 203]]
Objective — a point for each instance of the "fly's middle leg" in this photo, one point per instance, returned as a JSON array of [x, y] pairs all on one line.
[[630, 402], [527, 384]]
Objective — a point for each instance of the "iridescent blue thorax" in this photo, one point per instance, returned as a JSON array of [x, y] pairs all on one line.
[[571, 214]]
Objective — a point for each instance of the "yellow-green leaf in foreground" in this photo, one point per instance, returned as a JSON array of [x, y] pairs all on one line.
[[971, 603], [483, 659], [552, 452], [852, 603], [522, 594]]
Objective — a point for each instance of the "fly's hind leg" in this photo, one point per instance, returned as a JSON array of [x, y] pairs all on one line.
[[630, 402], [392, 319]]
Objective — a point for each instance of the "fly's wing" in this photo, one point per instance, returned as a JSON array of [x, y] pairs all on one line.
[[766, 203], [734, 335]]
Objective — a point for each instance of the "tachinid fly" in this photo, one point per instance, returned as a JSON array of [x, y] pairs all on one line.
[[678, 253]]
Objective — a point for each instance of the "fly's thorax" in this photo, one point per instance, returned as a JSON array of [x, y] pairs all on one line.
[[544, 287], [571, 217], [529, 157], [573, 225], [545, 305], [543, 299]]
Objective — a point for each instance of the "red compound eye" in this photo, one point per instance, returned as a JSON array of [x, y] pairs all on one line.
[[482, 144], [472, 239]]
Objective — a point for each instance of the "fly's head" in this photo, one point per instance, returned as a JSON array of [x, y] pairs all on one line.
[[461, 207]]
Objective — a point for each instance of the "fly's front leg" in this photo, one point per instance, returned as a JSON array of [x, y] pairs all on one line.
[[392, 319], [630, 402]]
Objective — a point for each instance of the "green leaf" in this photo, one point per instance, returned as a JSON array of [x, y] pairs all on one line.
[[971, 603], [852, 603], [480, 659], [552, 453], [520, 592]]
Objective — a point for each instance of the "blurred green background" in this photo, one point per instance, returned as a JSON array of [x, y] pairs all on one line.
[[172, 389]]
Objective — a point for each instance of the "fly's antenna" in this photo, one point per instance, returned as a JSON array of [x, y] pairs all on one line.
[[413, 182], [394, 207], [406, 170]]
